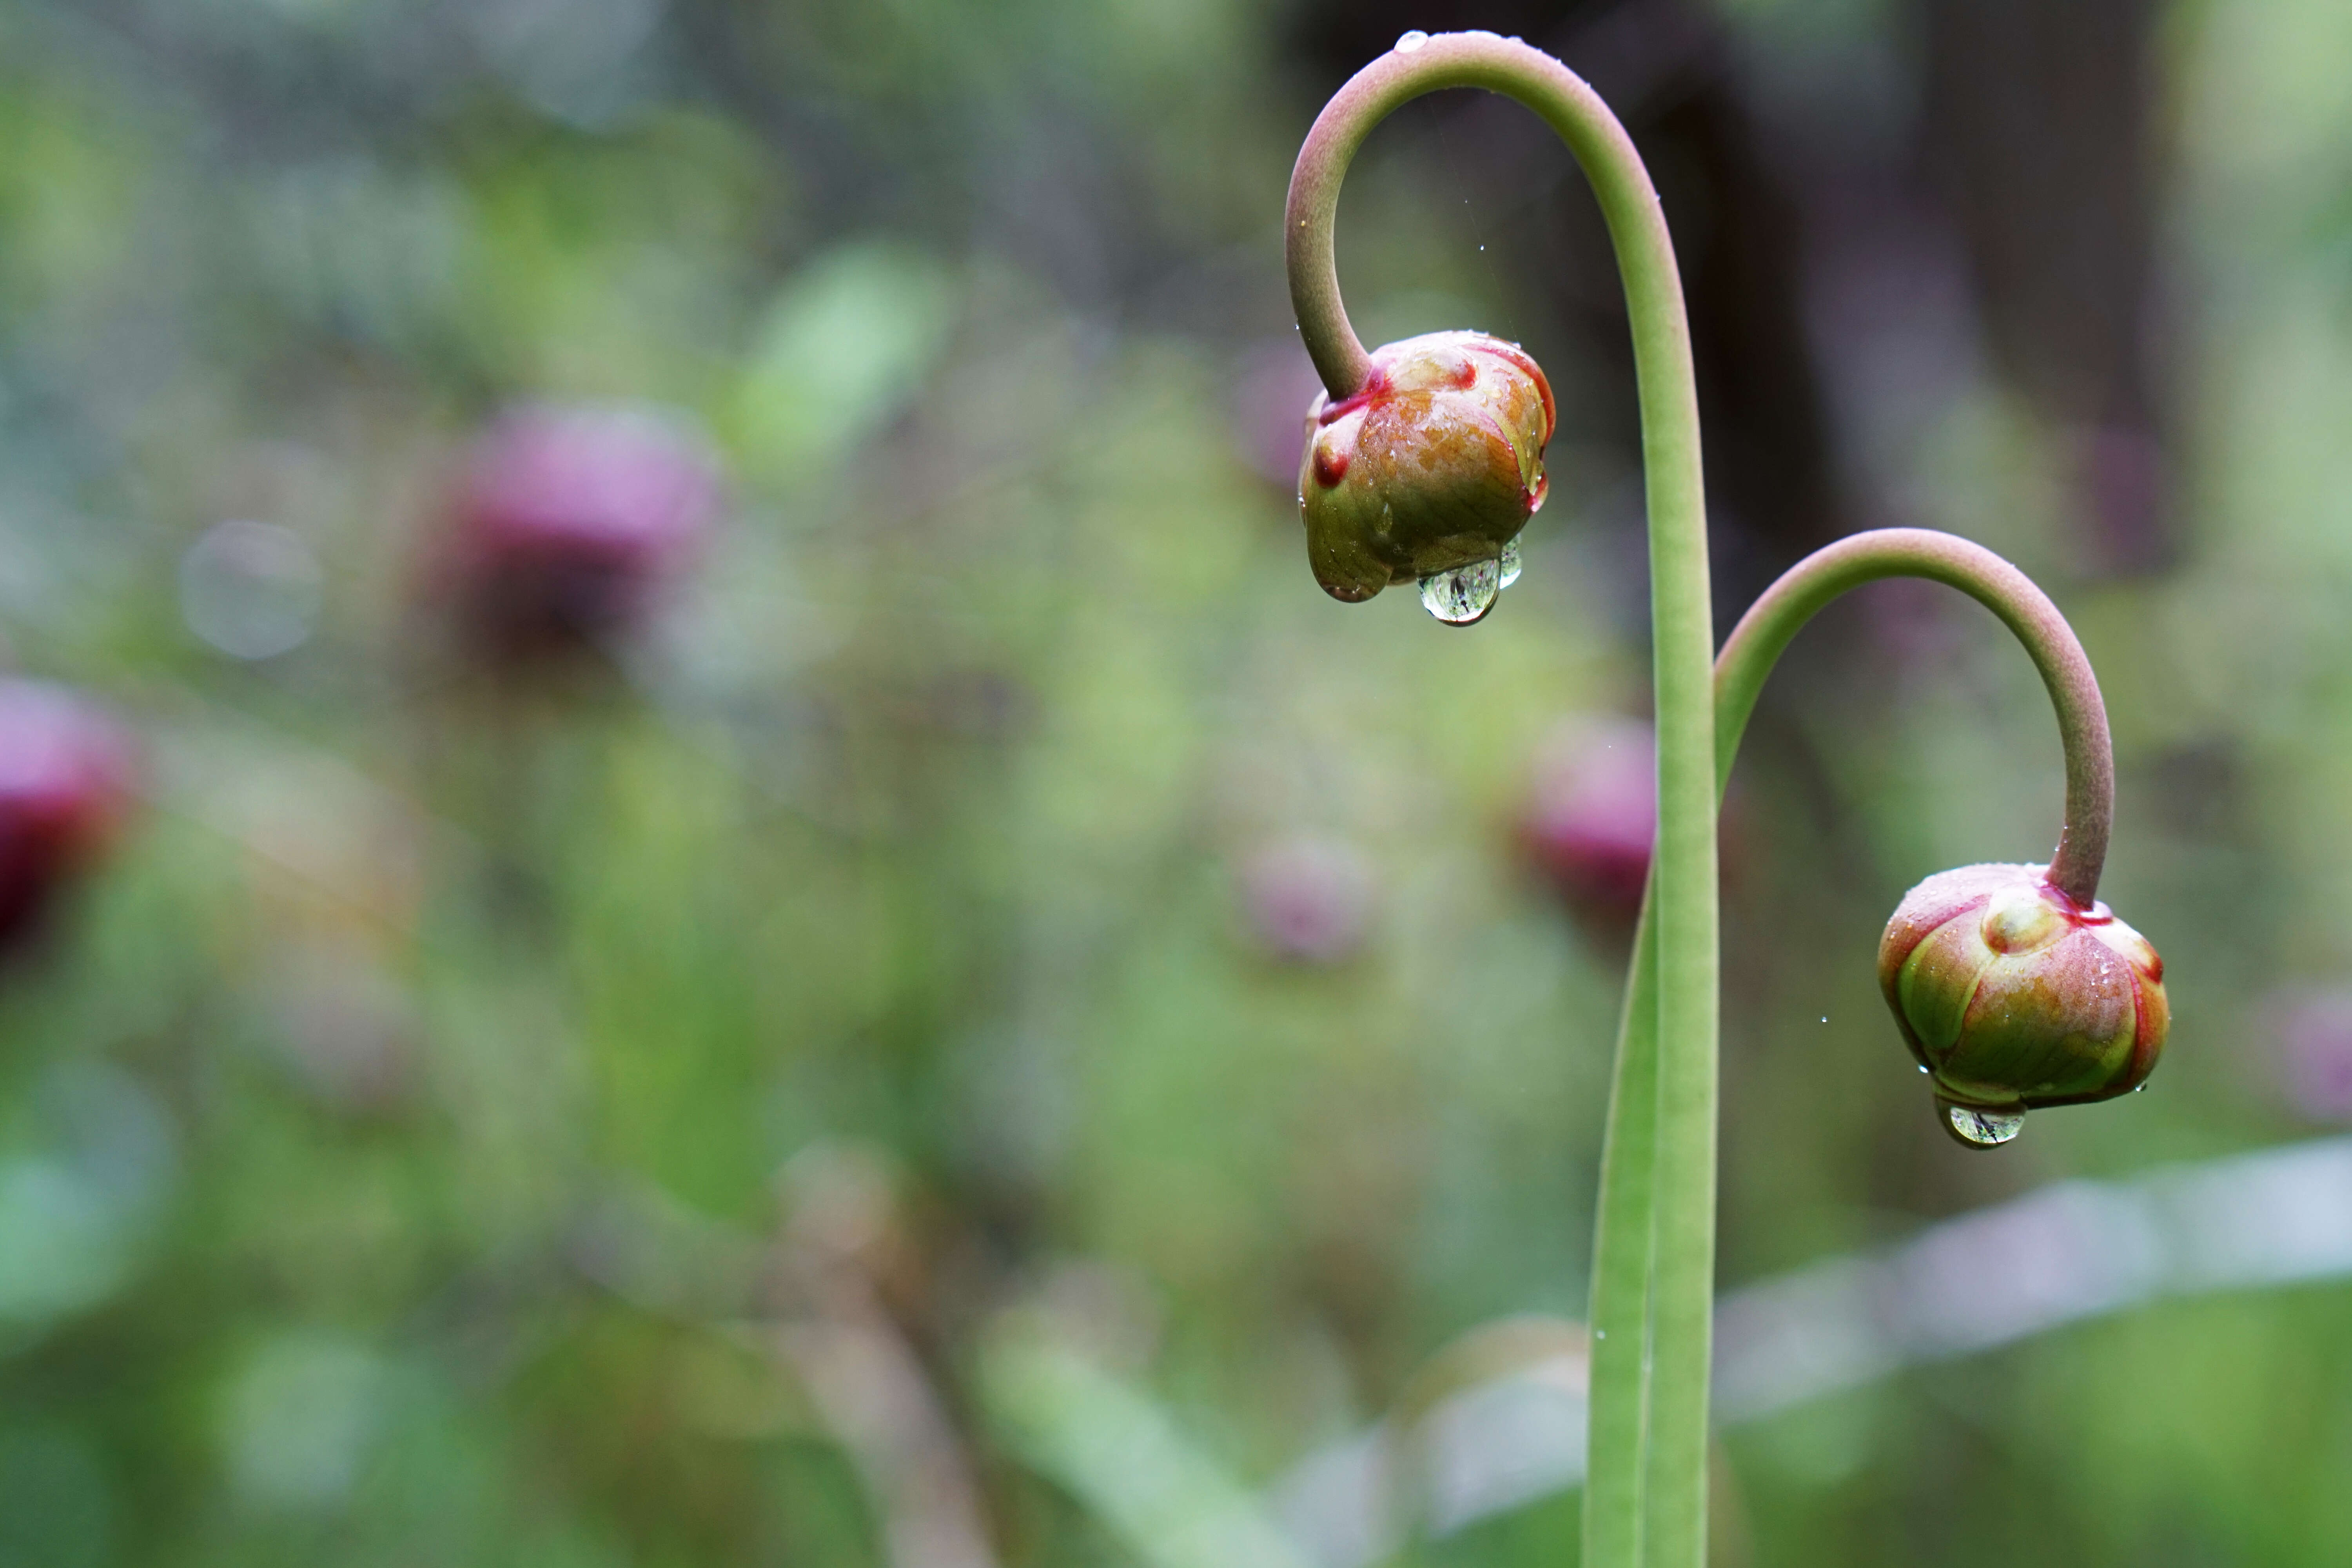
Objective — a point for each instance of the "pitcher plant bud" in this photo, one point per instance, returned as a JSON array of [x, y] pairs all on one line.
[[2014, 997], [1427, 473]]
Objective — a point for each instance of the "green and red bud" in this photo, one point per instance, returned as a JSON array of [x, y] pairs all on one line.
[[2013, 996], [1435, 465]]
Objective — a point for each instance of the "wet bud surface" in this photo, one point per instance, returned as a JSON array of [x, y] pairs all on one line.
[[1434, 465], [2013, 996]]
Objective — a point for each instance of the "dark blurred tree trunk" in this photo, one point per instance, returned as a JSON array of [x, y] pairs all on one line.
[[2034, 143], [2036, 128]]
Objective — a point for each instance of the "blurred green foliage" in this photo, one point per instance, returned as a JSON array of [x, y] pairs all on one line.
[[398, 1144]]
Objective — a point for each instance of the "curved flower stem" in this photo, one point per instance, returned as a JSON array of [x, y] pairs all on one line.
[[1756, 644], [1748, 655], [1678, 1241]]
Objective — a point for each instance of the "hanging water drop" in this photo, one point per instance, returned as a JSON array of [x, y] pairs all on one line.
[[1509, 565], [1463, 596], [1978, 1127], [1411, 41]]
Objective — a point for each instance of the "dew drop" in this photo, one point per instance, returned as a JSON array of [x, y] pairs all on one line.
[[1977, 1127], [1463, 596], [1411, 41], [1510, 564]]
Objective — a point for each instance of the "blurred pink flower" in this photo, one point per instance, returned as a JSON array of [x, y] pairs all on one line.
[[1275, 383], [1593, 813], [569, 523], [67, 774], [2313, 1029], [2123, 487], [1308, 899]]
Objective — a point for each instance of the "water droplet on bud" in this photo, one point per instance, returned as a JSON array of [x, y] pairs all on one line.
[[1411, 41], [1463, 596], [1510, 564], [1977, 1127]]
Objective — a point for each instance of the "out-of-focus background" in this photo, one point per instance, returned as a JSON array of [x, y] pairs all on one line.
[[691, 876]]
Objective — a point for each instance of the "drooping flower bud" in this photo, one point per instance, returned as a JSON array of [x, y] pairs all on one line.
[[569, 523], [1432, 468], [2014, 997], [66, 778]]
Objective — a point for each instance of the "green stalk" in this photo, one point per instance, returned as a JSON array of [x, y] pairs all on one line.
[[1617, 1412], [1622, 1251], [1653, 1283], [1666, 1486]]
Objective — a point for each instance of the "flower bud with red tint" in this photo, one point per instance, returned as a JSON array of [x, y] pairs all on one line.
[[569, 523], [1434, 465], [1591, 816], [67, 771], [2014, 997]]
